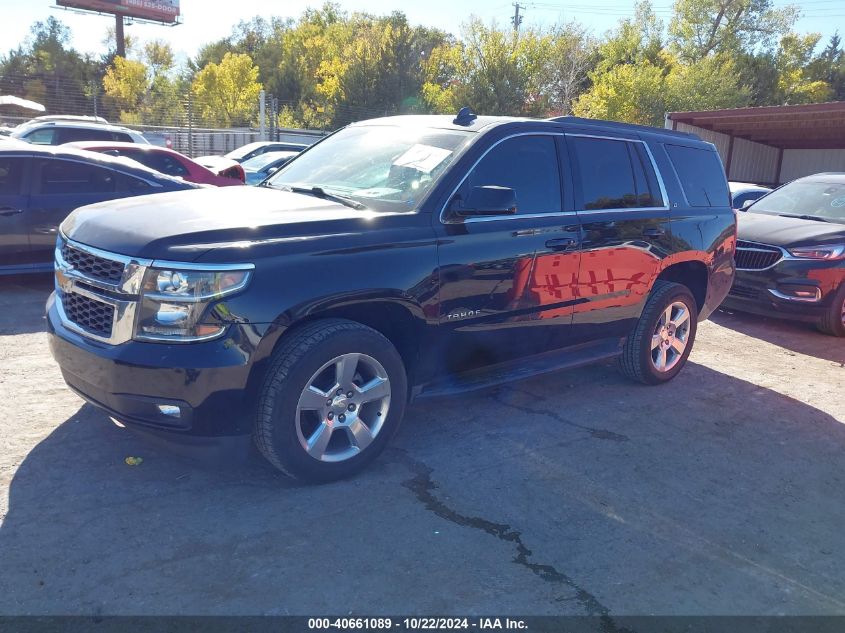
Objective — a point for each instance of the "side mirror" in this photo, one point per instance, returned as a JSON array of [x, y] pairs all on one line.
[[746, 204], [486, 200]]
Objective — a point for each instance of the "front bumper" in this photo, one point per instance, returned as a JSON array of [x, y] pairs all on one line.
[[775, 291], [205, 382]]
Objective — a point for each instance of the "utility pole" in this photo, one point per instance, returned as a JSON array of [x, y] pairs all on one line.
[[120, 42], [516, 19]]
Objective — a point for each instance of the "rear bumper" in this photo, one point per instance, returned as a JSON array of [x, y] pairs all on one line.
[[143, 385]]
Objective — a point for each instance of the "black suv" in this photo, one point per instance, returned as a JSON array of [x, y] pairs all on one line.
[[398, 258]]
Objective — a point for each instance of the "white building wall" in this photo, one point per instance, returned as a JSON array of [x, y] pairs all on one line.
[[804, 162], [721, 141], [753, 162]]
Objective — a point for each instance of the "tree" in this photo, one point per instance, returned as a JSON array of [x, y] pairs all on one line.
[[492, 70], [627, 92], [570, 58], [701, 27], [793, 61], [711, 84], [227, 93]]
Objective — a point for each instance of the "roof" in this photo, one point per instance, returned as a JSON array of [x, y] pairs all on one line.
[[16, 147], [447, 121], [120, 145], [831, 177], [811, 126]]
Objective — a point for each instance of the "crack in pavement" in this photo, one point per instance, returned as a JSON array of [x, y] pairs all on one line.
[[601, 434], [423, 487]]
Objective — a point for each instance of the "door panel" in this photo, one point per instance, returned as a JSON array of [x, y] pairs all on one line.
[[496, 303], [59, 187], [625, 233], [14, 233]]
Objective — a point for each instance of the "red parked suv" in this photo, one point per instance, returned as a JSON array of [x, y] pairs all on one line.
[[166, 161]]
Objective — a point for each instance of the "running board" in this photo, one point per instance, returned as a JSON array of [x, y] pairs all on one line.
[[521, 369]]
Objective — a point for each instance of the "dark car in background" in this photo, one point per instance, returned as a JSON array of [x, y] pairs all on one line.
[[250, 150], [790, 254], [259, 167], [40, 186], [166, 161]]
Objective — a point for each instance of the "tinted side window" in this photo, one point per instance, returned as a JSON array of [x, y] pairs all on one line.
[[614, 174], [44, 136], [11, 176], [742, 198], [66, 177], [526, 164], [121, 137], [155, 160], [702, 176], [72, 134]]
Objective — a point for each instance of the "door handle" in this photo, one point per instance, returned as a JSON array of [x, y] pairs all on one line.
[[9, 211], [561, 244], [654, 231]]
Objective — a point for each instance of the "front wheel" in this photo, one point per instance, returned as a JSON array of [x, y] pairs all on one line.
[[334, 395], [833, 321], [658, 348]]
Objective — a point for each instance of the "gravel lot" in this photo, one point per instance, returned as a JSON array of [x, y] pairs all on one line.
[[576, 493]]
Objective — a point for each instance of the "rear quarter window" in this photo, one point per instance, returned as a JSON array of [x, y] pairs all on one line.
[[701, 174]]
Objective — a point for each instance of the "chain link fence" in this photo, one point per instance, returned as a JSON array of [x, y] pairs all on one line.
[[176, 120]]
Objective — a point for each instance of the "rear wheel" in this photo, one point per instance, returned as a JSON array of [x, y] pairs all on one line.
[[833, 321], [333, 396], [660, 344]]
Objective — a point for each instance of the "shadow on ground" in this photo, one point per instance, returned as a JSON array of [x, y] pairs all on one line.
[[22, 301], [572, 493], [803, 338]]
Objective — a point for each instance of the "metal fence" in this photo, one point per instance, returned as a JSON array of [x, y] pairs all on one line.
[[175, 122]]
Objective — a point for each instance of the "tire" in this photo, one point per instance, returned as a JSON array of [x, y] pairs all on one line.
[[833, 321], [316, 434], [640, 359]]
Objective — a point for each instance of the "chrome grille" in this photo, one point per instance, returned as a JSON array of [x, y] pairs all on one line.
[[95, 317], [97, 291], [92, 265], [753, 256]]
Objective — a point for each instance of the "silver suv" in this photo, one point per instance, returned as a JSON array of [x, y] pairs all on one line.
[[60, 130]]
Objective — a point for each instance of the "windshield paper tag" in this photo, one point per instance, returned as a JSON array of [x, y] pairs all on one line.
[[423, 158]]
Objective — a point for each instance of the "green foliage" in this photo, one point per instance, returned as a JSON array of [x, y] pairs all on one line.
[[143, 91], [227, 93], [329, 67], [793, 61], [702, 27]]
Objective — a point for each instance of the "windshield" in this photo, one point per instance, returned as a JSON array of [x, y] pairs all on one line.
[[257, 163], [386, 168], [823, 200]]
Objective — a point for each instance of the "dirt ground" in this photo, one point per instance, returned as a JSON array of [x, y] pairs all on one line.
[[575, 493]]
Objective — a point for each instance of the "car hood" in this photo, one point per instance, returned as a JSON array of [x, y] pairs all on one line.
[[185, 224], [780, 231]]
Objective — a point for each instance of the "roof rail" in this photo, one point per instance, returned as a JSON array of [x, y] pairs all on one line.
[[70, 117], [618, 124]]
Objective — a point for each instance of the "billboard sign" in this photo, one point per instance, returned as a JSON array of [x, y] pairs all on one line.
[[166, 11]]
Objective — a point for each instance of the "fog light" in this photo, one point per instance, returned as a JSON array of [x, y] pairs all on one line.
[[170, 410]]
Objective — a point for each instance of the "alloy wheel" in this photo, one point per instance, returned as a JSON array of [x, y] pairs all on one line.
[[670, 337], [343, 407]]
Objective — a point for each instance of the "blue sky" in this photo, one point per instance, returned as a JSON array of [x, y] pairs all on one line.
[[206, 20]]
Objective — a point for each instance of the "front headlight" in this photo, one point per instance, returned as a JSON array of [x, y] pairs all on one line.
[[827, 251], [174, 301]]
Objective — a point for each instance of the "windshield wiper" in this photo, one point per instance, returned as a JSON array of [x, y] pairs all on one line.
[[319, 192], [817, 218]]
